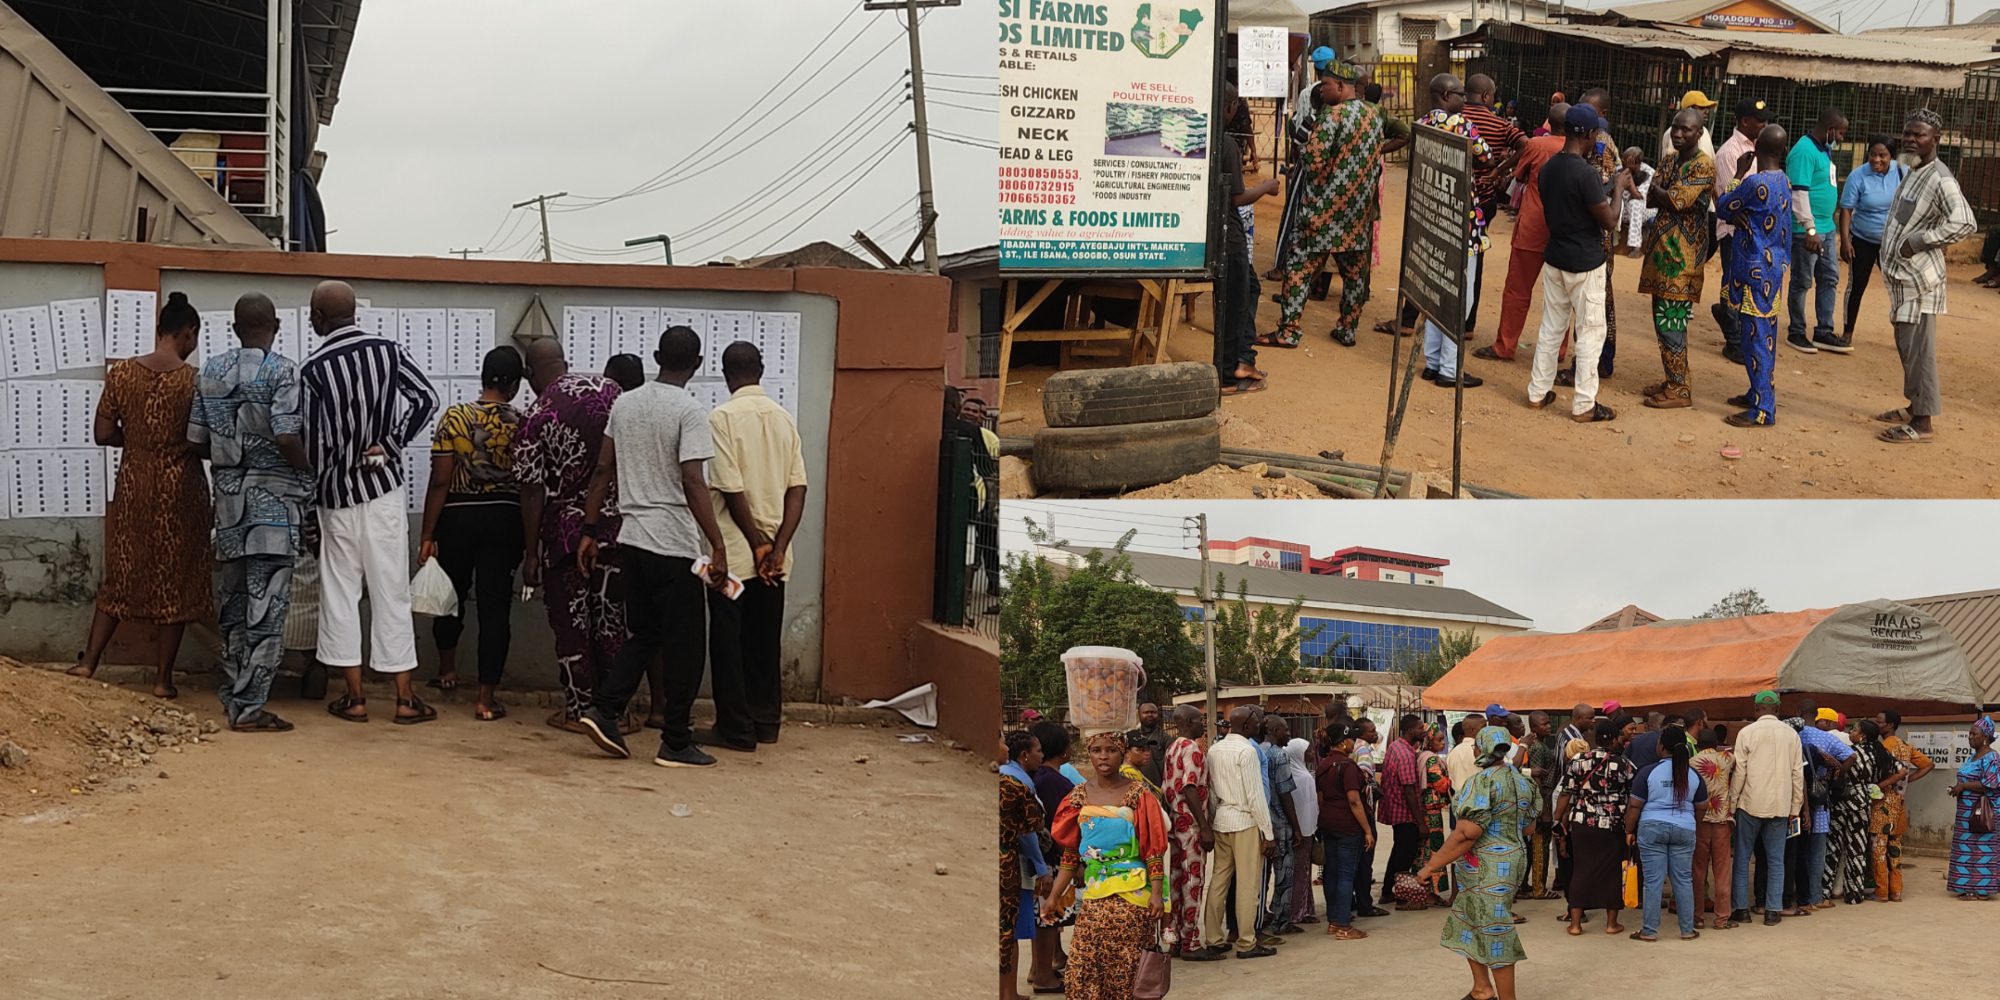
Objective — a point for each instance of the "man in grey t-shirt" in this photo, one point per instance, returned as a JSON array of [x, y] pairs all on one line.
[[654, 445]]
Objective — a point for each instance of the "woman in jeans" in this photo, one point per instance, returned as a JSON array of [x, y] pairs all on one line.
[[472, 523], [1863, 212], [1660, 821]]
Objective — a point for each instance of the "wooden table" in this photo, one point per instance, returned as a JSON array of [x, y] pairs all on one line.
[[1081, 335]]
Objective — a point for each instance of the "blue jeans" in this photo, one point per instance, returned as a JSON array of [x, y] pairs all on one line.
[[1811, 881], [1755, 834], [1440, 350], [1666, 848], [1343, 857], [1819, 272]]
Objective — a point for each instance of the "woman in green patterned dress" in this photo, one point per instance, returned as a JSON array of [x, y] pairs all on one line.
[[1493, 810]]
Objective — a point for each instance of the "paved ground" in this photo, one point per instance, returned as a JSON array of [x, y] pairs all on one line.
[[1924, 946], [457, 859], [1324, 396]]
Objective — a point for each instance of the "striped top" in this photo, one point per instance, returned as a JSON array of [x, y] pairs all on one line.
[[361, 390]]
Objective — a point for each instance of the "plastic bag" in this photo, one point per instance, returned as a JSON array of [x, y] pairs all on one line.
[[431, 591], [1631, 886]]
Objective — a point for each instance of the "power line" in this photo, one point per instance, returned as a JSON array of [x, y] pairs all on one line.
[[675, 175], [963, 76], [828, 203], [1097, 512], [964, 107], [968, 93], [825, 163], [964, 140]]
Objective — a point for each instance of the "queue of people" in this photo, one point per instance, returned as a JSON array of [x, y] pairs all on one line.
[[1786, 817], [660, 531], [1771, 206]]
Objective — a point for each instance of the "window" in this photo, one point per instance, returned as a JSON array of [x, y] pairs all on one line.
[[1356, 645], [1291, 560], [1417, 30]]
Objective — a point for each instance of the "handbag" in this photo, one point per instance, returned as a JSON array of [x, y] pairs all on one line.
[[1981, 820], [1153, 976]]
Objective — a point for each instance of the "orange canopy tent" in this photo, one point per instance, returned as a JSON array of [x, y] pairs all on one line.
[[1860, 657]]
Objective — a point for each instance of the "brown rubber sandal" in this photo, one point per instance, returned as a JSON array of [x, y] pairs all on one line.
[[1597, 414], [338, 708], [262, 722], [425, 713]]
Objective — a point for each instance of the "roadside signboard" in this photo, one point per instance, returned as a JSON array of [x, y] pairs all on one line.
[[1106, 115], [1436, 227]]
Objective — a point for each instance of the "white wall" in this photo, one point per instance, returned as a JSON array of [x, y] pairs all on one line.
[[1931, 810]]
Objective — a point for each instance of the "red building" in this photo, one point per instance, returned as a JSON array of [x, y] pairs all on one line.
[[1355, 563]]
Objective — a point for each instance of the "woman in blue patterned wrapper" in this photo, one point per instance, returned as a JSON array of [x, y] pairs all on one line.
[[1974, 872], [1488, 850]]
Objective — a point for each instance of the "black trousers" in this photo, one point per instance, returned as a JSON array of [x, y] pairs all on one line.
[[1725, 317], [667, 612], [1402, 857], [743, 641], [1989, 250], [1236, 317], [1364, 880], [1865, 256], [479, 545]]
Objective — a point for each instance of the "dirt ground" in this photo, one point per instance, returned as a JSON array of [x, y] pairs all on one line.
[[461, 859], [1838, 953], [1324, 396]]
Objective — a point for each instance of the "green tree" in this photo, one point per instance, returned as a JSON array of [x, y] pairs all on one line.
[[1260, 646], [1422, 668], [1100, 602], [1740, 603]]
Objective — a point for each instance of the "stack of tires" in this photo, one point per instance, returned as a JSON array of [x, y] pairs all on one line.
[[1116, 429]]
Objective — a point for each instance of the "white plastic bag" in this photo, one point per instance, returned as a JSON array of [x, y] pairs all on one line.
[[431, 591]]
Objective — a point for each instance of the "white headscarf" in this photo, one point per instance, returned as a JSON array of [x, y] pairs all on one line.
[[1305, 794]]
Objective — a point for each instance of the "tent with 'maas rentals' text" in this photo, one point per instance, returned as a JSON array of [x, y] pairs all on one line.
[[1856, 657]]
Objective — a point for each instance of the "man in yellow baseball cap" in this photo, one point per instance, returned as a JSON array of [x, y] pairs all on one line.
[[1692, 100]]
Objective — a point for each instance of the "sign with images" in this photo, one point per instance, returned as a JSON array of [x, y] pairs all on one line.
[[1260, 62], [1435, 227], [1105, 118]]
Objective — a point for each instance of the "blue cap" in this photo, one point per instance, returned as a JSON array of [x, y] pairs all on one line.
[[1321, 56], [1494, 711], [1583, 120]]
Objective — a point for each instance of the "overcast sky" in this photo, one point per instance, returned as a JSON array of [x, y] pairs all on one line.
[[1567, 563], [452, 110]]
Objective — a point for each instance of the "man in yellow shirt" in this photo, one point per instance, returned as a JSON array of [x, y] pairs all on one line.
[[758, 475]]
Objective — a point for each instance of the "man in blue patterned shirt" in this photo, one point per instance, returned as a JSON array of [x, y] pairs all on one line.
[[246, 421], [1826, 754]]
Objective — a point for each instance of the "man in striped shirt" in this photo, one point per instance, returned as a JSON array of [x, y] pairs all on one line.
[[366, 400]]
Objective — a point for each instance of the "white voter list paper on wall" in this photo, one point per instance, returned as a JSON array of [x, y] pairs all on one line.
[[725, 327], [587, 337], [469, 333], [53, 413], [218, 335], [79, 333], [693, 319], [777, 338], [56, 483], [29, 342], [422, 334], [380, 321], [635, 330], [129, 317]]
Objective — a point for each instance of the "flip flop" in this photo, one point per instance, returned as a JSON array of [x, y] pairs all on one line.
[[425, 713], [494, 714], [1904, 434], [338, 708], [1245, 385], [262, 722], [1641, 936], [442, 684]]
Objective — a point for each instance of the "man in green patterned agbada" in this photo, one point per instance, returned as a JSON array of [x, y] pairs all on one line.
[[1337, 171], [1672, 272]]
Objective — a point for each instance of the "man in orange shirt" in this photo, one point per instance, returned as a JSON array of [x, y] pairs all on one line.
[[1531, 237]]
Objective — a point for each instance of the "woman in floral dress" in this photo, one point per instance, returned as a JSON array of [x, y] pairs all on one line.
[[1487, 848], [1437, 797]]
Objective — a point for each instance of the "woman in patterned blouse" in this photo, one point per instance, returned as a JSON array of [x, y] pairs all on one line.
[[1590, 804]]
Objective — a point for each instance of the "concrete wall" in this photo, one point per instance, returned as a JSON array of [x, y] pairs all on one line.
[[1931, 810], [965, 666], [870, 402]]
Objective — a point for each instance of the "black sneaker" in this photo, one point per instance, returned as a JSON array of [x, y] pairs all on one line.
[[1843, 344], [1739, 916], [1800, 343], [1373, 911], [687, 756], [1467, 379], [1258, 952], [603, 731], [1732, 354], [711, 738], [1429, 375]]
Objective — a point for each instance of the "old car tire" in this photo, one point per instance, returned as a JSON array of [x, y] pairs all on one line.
[[1107, 396], [1128, 456]]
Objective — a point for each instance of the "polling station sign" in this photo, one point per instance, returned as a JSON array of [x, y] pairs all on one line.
[[1105, 120]]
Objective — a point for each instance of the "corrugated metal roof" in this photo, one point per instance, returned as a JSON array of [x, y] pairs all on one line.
[[1897, 60], [1178, 573], [78, 166], [1651, 39], [1687, 10], [1887, 47], [329, 34], [1974, 620]]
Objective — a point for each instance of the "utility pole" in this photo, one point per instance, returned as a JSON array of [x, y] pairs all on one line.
[[1951, 11], [662, 239], [926, 206], [467, 254], [1207, 618], [541, 202]]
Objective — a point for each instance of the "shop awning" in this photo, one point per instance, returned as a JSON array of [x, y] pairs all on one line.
[[1865, 656]]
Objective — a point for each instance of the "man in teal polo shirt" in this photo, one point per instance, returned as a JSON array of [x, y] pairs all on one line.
[[1815, 243]]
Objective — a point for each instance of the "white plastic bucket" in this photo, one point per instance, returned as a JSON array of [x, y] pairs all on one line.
[[1103, 683]]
